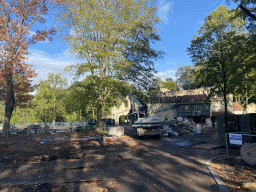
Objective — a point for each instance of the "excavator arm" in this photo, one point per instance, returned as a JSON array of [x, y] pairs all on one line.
[[143, 108]]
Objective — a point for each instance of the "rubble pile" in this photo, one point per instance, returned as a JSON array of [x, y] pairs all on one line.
[[180, 126]]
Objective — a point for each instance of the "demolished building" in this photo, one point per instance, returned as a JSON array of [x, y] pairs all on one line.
[[193, 104]]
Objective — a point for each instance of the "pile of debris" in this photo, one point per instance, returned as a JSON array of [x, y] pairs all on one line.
[[180, 126]]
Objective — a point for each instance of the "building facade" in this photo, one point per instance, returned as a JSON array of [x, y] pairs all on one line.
[[192, 103]]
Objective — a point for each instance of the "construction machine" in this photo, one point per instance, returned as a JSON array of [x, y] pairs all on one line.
[[144, 124]]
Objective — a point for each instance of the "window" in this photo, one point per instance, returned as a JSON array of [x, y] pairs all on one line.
[[181, 108], [187, 108], [196, 108]]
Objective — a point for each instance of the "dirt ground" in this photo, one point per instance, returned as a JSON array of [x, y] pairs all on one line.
[[235, 173], [56, 148], [22, 151]]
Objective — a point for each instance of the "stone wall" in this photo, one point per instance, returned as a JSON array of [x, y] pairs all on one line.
[[251, 108], [199, 91], [167, 110], [217, 104], [116, 112]]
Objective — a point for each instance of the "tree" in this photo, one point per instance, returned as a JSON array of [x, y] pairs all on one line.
[[82, 97], [16, 18], [170, 85], [50, 98], [169, 79], [217, 50], [245, 88], [247, 6], [113, 39], [23, 115], [152, 89], [158, 82], [248, 12], [185, 78]]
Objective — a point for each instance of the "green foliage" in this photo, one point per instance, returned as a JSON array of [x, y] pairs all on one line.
[[169, 79], [82, 96], [24, 115], [170, 85], [113, 39], [76, 103], [185, 78], [117, 40], [245, 88], [154, 86], [248, 12], [49, 99], [217, 50]]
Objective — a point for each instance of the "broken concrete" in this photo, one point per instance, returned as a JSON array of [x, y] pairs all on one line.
[[183, 126]]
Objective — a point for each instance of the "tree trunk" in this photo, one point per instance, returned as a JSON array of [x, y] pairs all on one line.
[[99, 114], [9, 106], [225, 101]]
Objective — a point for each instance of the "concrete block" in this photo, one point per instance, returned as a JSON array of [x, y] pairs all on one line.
[[116, 131]]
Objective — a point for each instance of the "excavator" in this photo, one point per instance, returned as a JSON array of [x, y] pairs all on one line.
[[139, 119]]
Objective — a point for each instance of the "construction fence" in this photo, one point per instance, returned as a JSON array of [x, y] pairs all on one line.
[[54, 127]]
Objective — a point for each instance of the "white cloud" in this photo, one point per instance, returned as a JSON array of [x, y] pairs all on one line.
[[164, 8], [166, 74], [31, 33], [44, 64]]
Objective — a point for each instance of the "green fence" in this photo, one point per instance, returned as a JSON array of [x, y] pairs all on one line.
[[235, 123]]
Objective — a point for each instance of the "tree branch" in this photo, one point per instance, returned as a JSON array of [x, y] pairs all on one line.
[[6, 23], [247, 12]]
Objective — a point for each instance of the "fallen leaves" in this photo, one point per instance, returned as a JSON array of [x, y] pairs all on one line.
[[234, 172]]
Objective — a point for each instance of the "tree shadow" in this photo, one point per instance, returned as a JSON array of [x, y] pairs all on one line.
[[150, 165]]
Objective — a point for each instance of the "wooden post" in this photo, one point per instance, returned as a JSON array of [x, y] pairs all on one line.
[[227, 144]]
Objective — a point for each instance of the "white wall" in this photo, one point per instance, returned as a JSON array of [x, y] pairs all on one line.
[[217, 104], [251, 108], [116, 112]]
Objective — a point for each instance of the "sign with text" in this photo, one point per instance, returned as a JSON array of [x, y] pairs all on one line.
[[235, 139]]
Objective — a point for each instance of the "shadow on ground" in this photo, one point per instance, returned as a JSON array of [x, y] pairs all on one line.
[[150, 165]]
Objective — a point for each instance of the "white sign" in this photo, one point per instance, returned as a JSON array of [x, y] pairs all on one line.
[[235, 139]]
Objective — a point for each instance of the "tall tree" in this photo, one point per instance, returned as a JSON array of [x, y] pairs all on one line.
[[113, 38], [16, 18], [217, 49], [185, 78], [248, 12], [49, 99], [82, 97]]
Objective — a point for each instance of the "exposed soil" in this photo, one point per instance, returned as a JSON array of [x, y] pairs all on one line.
[[234, 172], [30, 150]]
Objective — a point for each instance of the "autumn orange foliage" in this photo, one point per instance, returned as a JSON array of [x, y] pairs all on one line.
[[16, 18]]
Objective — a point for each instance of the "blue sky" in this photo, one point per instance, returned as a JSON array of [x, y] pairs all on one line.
[[180, 20]]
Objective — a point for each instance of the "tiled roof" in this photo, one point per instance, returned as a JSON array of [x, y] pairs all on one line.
[[192, 99], [238, 106]]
